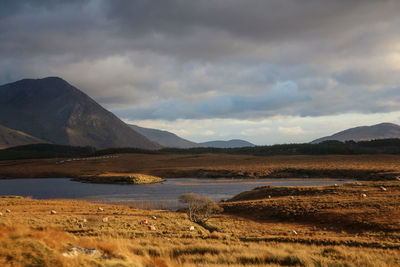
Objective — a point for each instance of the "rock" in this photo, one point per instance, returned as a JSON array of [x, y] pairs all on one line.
[[154, 217], [363, 195], [292, 197], [144, 221], [383, 188], [76, 251], [8, 211], [82, 220], [100, 209], [269, 196], [105, 219], [151, 228], [1, 214], [80, 225], [191, 228], [53, 212], [294, 232]]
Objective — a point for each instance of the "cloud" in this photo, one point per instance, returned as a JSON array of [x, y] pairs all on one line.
[[291, 130], [175, 59]]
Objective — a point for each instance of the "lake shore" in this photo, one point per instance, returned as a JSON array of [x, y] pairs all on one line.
[[333, 225]]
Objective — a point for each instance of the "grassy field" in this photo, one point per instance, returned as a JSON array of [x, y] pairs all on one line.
[[307, 226], [210, 165]]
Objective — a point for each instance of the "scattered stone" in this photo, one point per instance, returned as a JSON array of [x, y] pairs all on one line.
[[291, 197], [154, 217], [1, 214], [151, 228], [8, 211], [269, 196], [363, 195], [53, 212], [100, 209], [80, 225], [335, 185], [105, 219], [82, 220], [383, 188], [76, 251], [144, 221], [294, 232], [191, 228]]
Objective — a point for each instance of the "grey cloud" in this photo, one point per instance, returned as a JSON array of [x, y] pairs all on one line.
[[203, 59], [281, 96]]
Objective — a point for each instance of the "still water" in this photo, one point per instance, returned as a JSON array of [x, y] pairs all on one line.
[[162, 195]]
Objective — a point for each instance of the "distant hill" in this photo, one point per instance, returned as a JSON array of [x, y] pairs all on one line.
[[234, 143], [164, 138], [10, 137], [54, 111], [365, 133]]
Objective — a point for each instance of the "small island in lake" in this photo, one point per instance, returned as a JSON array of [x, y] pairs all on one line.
[[120, 178]]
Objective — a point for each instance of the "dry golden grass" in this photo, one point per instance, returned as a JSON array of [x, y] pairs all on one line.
[[31, 236], [122, 178], [212, 165]]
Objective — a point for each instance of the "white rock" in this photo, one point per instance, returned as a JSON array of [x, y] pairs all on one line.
[[105, 219], [154, 217], [8, 211], [383, 188], [363, 195], [1, 214], [100, 209], [53, 212], [191, 228], [152, 228], [294, 232], [82, 220]]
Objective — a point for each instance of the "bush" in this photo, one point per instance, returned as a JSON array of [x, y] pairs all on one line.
[[199, 209]]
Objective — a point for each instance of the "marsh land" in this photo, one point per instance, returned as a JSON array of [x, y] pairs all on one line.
[[353, 224]]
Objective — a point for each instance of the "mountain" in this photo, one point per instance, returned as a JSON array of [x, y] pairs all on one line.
[[10, 137], [56, 112], [365, 133], [227, 144], [164, 138]]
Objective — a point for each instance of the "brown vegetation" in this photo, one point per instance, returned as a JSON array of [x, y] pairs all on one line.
[[319, 226], [212, 166]]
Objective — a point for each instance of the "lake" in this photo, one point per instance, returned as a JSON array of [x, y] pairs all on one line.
[[162, 195]]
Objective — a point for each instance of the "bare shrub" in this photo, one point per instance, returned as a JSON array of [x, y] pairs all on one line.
[[199, 208]]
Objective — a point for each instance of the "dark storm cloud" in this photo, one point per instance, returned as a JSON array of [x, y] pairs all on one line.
[[202, 59]]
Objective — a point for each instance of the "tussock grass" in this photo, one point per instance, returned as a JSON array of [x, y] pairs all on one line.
[[31, 236]]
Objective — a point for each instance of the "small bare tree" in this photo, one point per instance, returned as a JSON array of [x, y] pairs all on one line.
[[199, 209]]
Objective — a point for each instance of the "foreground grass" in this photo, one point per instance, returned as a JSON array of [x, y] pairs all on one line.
[[271, 231]]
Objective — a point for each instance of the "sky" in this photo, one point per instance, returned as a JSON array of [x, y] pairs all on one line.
[[267, 71]]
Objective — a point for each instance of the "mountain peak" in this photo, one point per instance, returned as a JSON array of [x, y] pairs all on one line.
[[54, 111]]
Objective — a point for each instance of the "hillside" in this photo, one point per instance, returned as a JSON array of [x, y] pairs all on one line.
[[55, 111], [164, 138], [10, 137], [365, 133], [227, 144]]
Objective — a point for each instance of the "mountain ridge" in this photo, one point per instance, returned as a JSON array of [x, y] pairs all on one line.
[[383, 130], [54, 111]]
